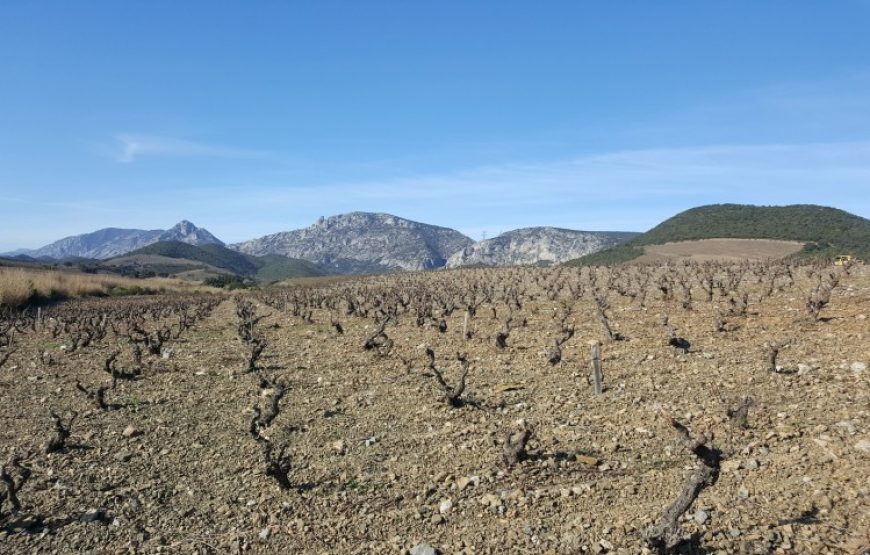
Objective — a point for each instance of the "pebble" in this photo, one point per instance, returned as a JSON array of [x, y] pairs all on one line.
[[863, 445], [130, 431], [94, 515], [445, 506], [423, 549], [462, 483], [858, 367], [265, 533], [730, 465], [848, 427], [701, 516]]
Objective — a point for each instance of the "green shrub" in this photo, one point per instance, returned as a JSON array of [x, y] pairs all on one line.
[[226, 282]]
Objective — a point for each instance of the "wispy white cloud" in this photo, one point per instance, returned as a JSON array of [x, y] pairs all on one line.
[[131, 147], [785, 170], [618, 190], [632, 189]]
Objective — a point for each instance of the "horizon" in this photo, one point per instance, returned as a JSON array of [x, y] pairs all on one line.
[[227, 243], [482, 118]]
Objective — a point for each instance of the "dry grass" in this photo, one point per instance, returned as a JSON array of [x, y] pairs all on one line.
[[315, 281], [19, 286], [732, 250]]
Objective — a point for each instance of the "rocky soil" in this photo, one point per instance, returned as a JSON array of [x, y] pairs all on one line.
[[381, 464]]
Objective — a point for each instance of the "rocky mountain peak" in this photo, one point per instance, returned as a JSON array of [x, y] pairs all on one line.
[[363, 242], [186, 232], [184, 226]]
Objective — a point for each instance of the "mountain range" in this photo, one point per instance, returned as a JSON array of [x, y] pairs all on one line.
[[110, 242], [364, 242], [353, 243]]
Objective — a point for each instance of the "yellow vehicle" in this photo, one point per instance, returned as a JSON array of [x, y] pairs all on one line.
[[844, 260]]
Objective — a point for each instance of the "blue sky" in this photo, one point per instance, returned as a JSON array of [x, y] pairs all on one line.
[[249, 118]]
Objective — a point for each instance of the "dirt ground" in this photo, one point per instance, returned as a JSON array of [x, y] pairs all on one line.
[[380, 463], [719, 249]]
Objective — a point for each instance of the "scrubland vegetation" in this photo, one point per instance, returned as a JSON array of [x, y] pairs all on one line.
[[825, 232]]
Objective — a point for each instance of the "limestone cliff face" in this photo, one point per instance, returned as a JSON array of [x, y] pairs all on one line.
[[536, 246], [111, 241], [363, 242]]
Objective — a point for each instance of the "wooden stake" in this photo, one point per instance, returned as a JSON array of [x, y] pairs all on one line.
[[596, 368]]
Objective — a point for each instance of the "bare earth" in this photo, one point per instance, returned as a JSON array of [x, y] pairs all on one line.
[[720, 249], [381, 463]]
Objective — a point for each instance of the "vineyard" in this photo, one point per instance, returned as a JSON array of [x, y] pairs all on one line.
[[672, 408]]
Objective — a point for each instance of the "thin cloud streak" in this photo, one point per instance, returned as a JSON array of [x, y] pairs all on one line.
[[131, 147], [622, 190], [575, 192], [786, 170]]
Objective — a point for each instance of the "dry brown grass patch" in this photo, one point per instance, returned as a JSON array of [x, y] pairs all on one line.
[[20, 286]]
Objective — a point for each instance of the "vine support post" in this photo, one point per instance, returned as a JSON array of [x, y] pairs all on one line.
[[597, 378]]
